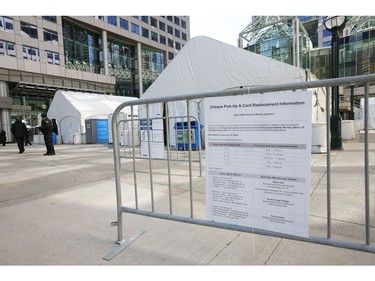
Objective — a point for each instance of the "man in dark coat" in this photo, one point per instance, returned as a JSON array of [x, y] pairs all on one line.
[[19, 131], [3, 137], [46, 128]]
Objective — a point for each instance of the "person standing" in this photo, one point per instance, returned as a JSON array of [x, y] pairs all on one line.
[[3, 137], [27, 138], [46, 128], [19, 131]]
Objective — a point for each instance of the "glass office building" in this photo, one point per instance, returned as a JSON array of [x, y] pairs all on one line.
[[117, 55], [356, 50], [276, 37]]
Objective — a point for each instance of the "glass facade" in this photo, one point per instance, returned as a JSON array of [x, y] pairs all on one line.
[[30, 108], [152, 66], [321, 62], [84, 51], [121, 65], [356, 56], [276, 42], [81, 48]]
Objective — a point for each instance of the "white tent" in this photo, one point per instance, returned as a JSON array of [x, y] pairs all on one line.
[[371, 111], [71, 109], [206, 65]]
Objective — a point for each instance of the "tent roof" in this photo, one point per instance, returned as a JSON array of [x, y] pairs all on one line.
[[205, 64], [85, 103]]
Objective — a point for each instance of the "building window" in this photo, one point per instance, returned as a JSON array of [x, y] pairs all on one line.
[[30, 53], [144, 19], [145, 32], [161, 25], [136, 17], [170, 55], [124, 24], [99, 18], [326, 33], [50, 18], [154, 36], [50, 36], [178, 46], [170, 18], [184, 37], [2, 27], [183, 24], [11, 49], [7, 48], [177, 20], [6, 24], [163, 40], [170, 43], [52, 58], [154, 22], [29, 30], [177, 33], [112, 20], [135, 28], [2, 48], [170, 29]]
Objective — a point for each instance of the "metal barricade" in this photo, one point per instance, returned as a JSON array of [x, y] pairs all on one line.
[[327, 240]]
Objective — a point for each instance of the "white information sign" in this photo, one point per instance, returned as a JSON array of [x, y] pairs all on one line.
[[156, 138], [258, 150]]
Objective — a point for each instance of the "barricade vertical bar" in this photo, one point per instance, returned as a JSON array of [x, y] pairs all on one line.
[[328, 135], [168, 158], [364, 79], [149, 157], [200, 147], [134, 168], [190, 173], [116, 157], [367, 171], [176, 136]]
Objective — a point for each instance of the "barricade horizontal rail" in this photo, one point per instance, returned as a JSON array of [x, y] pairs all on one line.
[[364, 80]]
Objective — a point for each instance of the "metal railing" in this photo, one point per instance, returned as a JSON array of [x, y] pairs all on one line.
[[359, 80]]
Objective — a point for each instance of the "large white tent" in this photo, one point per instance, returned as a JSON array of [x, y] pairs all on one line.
[[371, 111], [206, 65], [71, 109]]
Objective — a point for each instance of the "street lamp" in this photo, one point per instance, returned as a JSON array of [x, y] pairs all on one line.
[[334, 25]]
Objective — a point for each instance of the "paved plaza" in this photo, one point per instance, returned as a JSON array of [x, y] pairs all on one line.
[[58, 210]]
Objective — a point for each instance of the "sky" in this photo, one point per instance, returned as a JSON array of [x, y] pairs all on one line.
[[219, 27], [220, 20]]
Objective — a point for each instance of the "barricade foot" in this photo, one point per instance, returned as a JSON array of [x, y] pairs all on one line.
[[122, 245]]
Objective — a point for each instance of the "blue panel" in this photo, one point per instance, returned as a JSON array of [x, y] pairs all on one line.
[[101, 131]]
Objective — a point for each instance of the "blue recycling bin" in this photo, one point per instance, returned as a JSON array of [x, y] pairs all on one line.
[[183, 135]]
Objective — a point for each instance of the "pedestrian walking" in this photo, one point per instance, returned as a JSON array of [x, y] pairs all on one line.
[[3, 137], [19, 131], [46, 128]]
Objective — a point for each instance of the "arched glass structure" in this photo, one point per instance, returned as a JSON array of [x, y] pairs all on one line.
[[280, 38]]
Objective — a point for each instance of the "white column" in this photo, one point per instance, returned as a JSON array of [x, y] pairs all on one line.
[[105, 52], [5, 117], [140, 78], [297, 43]]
